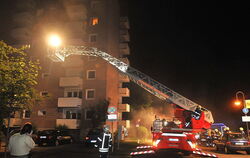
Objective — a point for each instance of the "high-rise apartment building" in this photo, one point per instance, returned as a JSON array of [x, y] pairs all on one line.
[[77, 92]]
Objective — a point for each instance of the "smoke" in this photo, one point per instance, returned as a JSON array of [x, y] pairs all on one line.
[[144, 117]]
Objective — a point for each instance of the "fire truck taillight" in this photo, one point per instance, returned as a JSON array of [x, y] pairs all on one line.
[[155, 143]]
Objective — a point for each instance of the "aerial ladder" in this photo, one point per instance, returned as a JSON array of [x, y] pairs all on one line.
[[191, 114]]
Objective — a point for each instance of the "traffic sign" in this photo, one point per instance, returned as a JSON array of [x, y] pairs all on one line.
[[112, 109], [245, 118], [112, 117], [245, 110], [247, 103]]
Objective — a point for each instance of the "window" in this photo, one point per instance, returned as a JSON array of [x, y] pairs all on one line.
[[90, 94], [73, 92], [92, 38], [45, 75], [44, 94], [94, 21], [71, 114], [94, 4], [41, 113], [91, 74], [26, 114], [89, 114]]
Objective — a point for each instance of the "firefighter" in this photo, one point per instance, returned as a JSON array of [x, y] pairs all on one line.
[[157, 125], [104, 142], [227, 130], [242, 130]]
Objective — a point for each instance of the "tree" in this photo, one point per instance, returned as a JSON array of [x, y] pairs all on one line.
[[18, 75]]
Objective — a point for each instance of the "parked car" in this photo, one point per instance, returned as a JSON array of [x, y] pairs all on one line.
[[91, 137], [53, 137], [232, 142]]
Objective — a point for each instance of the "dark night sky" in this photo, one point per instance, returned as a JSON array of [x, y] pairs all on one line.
[[197, 48]]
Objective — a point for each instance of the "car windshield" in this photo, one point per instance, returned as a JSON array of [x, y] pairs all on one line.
[[94, 132], [237, 136]]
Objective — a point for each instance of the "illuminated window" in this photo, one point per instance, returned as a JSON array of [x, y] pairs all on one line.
[[90, 94], [94, 21]]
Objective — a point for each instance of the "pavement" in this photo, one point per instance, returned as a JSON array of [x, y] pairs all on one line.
[[123, 151]]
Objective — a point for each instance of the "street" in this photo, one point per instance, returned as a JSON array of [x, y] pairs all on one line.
[[80, 151]]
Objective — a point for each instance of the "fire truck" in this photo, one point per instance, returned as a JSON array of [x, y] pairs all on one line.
[[192, 117]]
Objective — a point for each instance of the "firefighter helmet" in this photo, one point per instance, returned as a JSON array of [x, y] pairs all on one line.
[[106, 128], [241, 129], [216, 130]]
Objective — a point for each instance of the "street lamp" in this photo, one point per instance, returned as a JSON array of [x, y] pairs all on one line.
[[244, 104], [54, 40]]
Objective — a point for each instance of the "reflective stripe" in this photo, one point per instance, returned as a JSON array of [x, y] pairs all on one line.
[[174, 134]]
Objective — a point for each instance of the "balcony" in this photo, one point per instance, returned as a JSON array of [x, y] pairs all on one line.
[[124, 49], [124, 92], [124, 23], [70, 82], [124, 36], [69, 102], [70, 123], [124, 107]]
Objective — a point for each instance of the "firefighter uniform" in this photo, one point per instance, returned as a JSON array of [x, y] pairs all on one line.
[[104, 142]]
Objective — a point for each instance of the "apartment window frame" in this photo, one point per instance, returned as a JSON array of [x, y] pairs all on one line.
[[44, 93], [93, 36], [41, 112], [71, 113], [73, 93], [45, 75], [26, 114], [94, 21], [89, 75], [87, 97]]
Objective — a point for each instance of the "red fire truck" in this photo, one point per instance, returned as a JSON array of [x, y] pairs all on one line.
[[191, 116]]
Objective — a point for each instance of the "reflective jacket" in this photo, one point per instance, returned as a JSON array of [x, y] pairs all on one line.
[[104, 142]]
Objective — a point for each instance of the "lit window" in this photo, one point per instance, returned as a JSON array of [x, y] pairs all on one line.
[[90, 94], [91, 74], [93, 38], [94, 21]]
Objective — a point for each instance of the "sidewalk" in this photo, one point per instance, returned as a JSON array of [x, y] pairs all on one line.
[[124, 150]]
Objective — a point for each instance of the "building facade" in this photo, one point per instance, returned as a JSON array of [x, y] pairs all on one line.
[[77, 92]]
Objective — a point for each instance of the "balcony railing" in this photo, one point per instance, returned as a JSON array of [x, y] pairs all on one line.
[[70, 123], [69, 102], [70, 82]]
